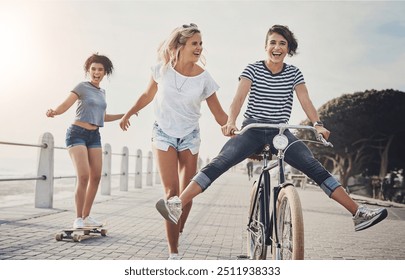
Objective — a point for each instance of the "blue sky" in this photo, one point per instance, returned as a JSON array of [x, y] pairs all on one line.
[[344, 47]]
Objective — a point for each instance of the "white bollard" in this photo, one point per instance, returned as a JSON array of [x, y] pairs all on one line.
[[106, 171], [124, 169], [44, 188], [149, 170], [138, 169]]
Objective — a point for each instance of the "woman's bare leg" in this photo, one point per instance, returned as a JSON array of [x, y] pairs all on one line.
[[341, 196], [95, 163], [187, 169], [79, 157], [168, 168], [191, 191]]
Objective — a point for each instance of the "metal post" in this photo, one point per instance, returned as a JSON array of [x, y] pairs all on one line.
[[44, 188], [124, 169], [149, 181], [106, 171], [138, 169]]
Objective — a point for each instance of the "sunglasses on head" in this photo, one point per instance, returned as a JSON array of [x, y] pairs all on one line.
[[190, 25]]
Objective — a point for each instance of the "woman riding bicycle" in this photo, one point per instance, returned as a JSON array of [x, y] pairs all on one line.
[[270, 84]]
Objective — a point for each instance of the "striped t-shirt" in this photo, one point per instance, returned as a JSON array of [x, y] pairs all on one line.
[[271, 95]]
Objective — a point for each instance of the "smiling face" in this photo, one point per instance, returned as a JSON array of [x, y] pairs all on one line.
[[97, 73], [192, 49], [276, 48]]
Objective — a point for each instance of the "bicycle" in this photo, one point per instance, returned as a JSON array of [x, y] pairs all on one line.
[[275, 213]]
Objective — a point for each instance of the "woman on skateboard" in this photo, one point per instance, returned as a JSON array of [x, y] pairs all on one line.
[[83, 137]]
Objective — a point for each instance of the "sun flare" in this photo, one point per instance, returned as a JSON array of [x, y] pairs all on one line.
[[17, 42]]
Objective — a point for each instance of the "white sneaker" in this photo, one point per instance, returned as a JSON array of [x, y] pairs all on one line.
[[170, 209], [91, 222], [174, 256], [78, 223]]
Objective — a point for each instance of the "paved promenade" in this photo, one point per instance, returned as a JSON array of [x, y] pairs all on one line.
[[215, 230]]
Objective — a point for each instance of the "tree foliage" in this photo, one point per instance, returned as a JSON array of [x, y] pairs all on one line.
[[363, 126]]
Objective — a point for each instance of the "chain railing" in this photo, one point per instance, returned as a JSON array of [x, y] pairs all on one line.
[[45, 177]]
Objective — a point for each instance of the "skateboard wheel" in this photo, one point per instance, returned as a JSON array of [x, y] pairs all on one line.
[[86, 232], [59, 237], [76, 237], [103, 232]]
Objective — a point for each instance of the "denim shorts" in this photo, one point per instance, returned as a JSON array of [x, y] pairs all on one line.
[[76, 135], [162, 141]]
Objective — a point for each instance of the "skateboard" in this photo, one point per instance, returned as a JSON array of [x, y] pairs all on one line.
[[79, 234]]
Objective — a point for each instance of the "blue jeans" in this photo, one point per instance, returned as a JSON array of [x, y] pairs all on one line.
[[252, 141]]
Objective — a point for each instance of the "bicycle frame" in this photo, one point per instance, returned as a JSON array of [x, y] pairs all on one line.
[[266, 195], [268, 198]]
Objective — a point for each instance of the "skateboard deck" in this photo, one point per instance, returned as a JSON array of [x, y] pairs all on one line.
[[79, 234]]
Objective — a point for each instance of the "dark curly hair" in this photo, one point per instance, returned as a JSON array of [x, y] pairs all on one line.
[[287, 34], [96, 58]]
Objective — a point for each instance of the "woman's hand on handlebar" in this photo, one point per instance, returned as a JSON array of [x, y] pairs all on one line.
[[322, 130], [228, 129]]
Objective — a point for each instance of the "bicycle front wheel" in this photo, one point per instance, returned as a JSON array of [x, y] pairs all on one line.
[[256, 245], [290, 225]]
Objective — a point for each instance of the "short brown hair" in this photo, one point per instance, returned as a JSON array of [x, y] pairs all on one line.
[[287, 34], [96, 58]]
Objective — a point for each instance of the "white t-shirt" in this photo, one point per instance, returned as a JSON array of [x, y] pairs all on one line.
[[177, 103]]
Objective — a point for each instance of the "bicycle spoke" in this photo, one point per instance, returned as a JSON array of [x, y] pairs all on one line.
[[286, 231]]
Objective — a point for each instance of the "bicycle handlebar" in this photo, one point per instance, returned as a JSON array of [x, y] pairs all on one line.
[[282, 126]]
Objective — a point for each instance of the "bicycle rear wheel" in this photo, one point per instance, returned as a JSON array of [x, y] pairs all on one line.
[[290, 225], [256, 246]]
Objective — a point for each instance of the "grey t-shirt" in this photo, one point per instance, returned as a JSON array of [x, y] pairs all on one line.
[[91, 105]]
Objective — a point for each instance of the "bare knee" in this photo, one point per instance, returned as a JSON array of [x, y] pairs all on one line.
[[95, 179], [82, 180]]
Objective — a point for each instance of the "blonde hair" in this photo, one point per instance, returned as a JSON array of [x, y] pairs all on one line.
[[169, 50]]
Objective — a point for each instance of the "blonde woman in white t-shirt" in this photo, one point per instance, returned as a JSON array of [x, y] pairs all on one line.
[[178, 85]]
